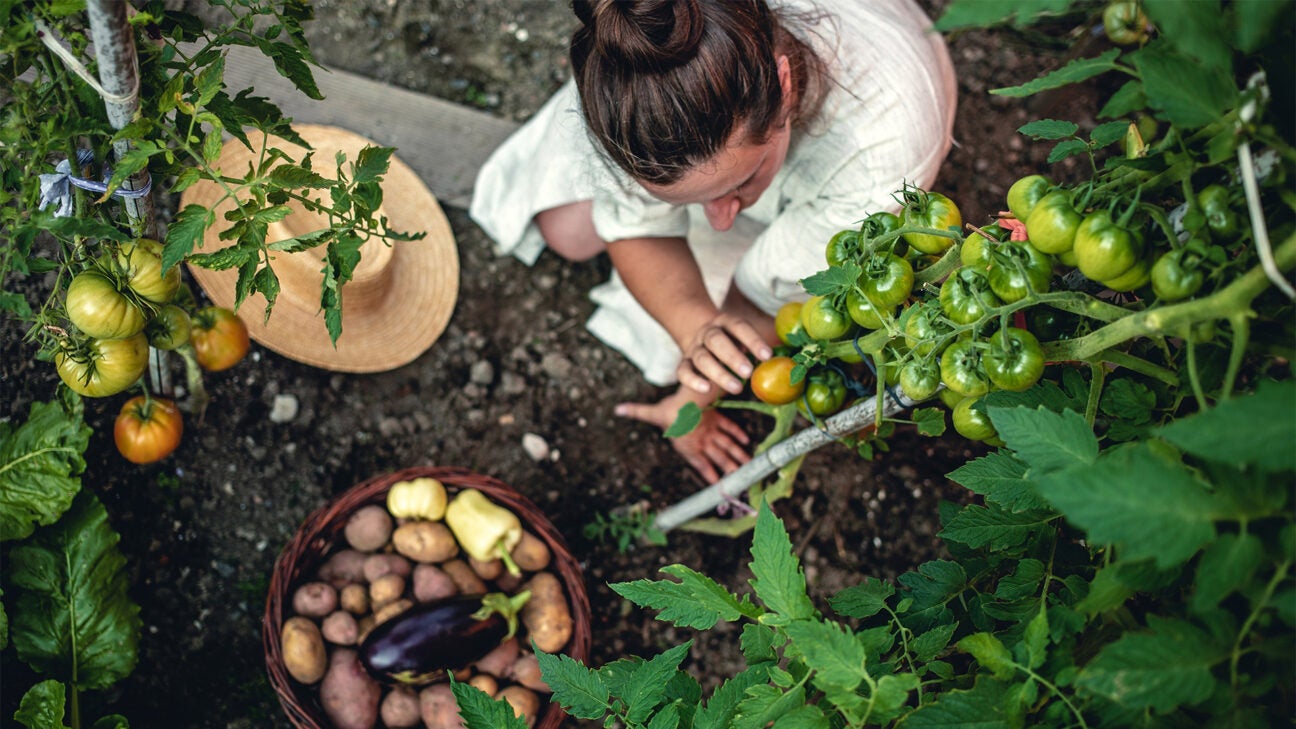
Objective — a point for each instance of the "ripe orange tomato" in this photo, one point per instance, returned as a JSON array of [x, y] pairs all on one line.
[[771, 382], [147, 429], [219, 338]]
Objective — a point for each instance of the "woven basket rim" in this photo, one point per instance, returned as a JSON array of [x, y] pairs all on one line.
[[311, 544]]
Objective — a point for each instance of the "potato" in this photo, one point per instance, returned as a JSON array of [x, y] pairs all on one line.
[[432, 583], [349, 696], [485, 683], [369, 528], [315, 599], [525, 702], [526, 671], [546, 616], [340, 628], [400, 708], [531, 553], [499, 660], [487, 569], [302, 647], [378, 565], [354, 599], [386, 589], [391, 610], [464, 578], [509, 583], [364, 624], [343, 568], [425, 541], [438, 707]]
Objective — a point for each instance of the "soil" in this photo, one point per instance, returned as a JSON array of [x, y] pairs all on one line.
[[201, 530]]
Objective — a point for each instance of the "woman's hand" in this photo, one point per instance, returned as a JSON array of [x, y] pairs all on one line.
[[716, 446], [718, 353]]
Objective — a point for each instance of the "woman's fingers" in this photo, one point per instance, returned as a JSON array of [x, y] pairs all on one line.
[[721, 355]]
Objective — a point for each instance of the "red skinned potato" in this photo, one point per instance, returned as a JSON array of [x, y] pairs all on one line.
[[369, 528], [343, 568], [499, 660], [315, 599], [432, 583], [349, 696], [526, 671], [400, 708], [340, 628], [438, 707], [378, 565]]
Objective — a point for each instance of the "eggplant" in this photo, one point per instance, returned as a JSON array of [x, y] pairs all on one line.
[[424, 643]]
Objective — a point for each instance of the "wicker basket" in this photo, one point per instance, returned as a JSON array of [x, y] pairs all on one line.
[[311, 545]]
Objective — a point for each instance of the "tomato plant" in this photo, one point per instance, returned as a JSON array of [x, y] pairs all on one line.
[[771, 381], [140, 265], [169, 328], [96, 306], [825, 393], [1014, 360], [1124, 22], [102, 367], [1017, 268], [920, 379], [1104, 249], [963, 370], [787, 324], [1025, 193], [219, 338], [864, 312], [970, 422], [930, 210], [1177, 275], [1052, 223], [887, 280], [966, 296], [147, 429]]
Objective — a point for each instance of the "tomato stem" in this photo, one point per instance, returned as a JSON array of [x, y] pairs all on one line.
[[198, 397]]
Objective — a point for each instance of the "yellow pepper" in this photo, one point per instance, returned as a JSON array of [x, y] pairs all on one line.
[[420, 498], [484, 529]]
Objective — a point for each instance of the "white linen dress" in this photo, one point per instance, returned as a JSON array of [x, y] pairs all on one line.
[[887, 120]]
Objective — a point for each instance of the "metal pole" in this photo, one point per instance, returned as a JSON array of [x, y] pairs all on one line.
[[779, 455]]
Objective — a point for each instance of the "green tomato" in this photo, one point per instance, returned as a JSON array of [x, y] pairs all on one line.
[[822, 320], [966, 296], [1015, 360], [1103, 249], [1051, 225], [924, 327], [1125, 23], [103, 367], [930, 210], [865, 313], [141, 265], [97, 307], [975, 251], [1176, 275], [825, 393], [971, 423], [842, 247], [1220, 218], [1025, 193], [962, 369], [887, 280], [169, 328], [1018, 268], [877, 225], [920, 379], [1136, 277]]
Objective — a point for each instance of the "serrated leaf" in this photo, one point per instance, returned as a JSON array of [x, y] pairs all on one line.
[[928, 645], [830, 651], [1076, 71], [696, 601], [41, 462], [1023, 582], [720, 708], [1194, 29], [1002, 480], [1036, 640], [757, 643], [667, 718], [1186, 93], [1243, 430], [1228, 564], [293, 176], [288, 62], [1046, 441], [1167, 667], [979, 526], [184, 233], [863, 600], [1109, 133], [1127, 100], [1128, 401], [777, 576], [1067, 148], [929, 421], [990, 652], [576, 688], [479, 711], [42, 706], [73, 619], [832, 280], [1049, 129], [927, 591], [765, 704], [646, 688], [1138, 501], [809, 716], [371, 164], [988, 13], [982, 707]]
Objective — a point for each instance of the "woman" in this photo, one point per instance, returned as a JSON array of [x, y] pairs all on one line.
[[711, 148]]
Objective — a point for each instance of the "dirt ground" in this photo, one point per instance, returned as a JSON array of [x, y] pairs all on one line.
[[201, 530]]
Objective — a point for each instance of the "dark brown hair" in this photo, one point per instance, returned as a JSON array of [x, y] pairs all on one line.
[[665, 83]]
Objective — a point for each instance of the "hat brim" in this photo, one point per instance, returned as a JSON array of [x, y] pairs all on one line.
[[388, 319]]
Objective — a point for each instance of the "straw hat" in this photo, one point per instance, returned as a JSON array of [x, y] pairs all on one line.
[[400, 297]]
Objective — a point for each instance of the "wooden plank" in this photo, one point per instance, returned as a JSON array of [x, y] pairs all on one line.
[[445, 143]]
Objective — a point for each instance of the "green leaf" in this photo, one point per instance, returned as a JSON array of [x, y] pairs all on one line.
[[1187, 93], [1001, 479], [1127, 100], [1138, 501], [1227, 565], [1162, 669], [578, 689], [927, 591], [646, 687], [979, 526], [40, 466], [15, 304], [987, 13], [1128, 401], [184, 233], [1194, 29], [696, 601], [1049, 129], [720, 709], [757, 643], [982, 707], [1046, 441], [777, 577], [479, 711], [371, 164], [1243, 430], [1066, 149], [1257, 21], [42, 706], [832, 280], [829, 650], [1036, 640], [927, 646], [863, 600], [686, 420], [890, 697], [809, 716], [1023, 582], [667, 718], [929, 421], [765, 704], [1074, 72], [73, 618], [289, 63], [1109, 133], [990, 652], [293, 176]]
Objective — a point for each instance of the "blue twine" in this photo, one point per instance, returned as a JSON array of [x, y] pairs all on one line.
[[56, 188]]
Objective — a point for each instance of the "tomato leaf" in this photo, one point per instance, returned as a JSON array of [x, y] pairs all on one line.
[[1193, 29], [1109, 133], [1227, 565], [979, 526], [1046, 441], [478, 709], [833, 280], [983, 707], [579, 690], [1163, 669], [1127, 100], [1076, 71], [989, 13], [1049, 129], [686, 420], [1067, 148], [929, 421], [41, 463], [777, 577], [1242, 430], [863, 600], [696, 601], [73, 618], [1186, 93]]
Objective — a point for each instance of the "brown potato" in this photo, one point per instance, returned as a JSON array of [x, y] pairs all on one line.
[[525, 702], [432, 583], [354, 599], [303, 650], [400, 708], [499, 660], [487, 569], [378, 565], [546, 616], [485, 683], [343, 568], [340, 628], [349, 696], [365, 624], [391, 610], [315, 599], [438, 707], [509, 583], [386, 589], [369, 528], [464, 578], [531, 553], [425, 541], [526, 671]]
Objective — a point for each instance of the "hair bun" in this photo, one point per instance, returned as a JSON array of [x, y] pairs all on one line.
[[655, 34]]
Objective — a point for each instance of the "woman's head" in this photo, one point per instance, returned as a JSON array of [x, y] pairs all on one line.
[[665, 85]]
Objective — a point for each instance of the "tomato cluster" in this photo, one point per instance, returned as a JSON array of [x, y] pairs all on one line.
[[121, 305]]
